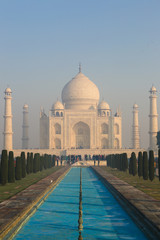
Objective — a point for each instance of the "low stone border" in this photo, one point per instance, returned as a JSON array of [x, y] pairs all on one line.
[[143, 209], [19, 207]]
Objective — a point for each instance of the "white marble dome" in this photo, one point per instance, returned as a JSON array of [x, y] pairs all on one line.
[[57, 106], [103, 105], [80, 93]]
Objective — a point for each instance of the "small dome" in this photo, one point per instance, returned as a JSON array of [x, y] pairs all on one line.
[[135, 106], [57, 106], [25, 106], [80, 93], [8, 90], [153, 89], [103, 106]]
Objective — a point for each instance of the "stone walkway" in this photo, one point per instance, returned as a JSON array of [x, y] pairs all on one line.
[[13, 210], [138, 204]]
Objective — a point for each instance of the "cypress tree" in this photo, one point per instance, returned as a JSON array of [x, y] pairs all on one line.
[[18, 170], [54, 160], [110, 160], [4, 167], [140, 164], [23, 164], [151, 165], [52, 157], [31, 162], [134, 164], [35, 163], [41, 163], [49, 161], [125, 160], [130, 165], [11, 169], [45, 161], [120, 162], [145, 165], [0, 172], [38, 162], [28, 163], [123, 167], [159, 163]]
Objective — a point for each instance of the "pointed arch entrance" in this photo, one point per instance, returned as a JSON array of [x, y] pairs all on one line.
[[81, 136]]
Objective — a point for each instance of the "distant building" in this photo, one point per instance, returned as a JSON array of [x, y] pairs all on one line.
[[80, 121]]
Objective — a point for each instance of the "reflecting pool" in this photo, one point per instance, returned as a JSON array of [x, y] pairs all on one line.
[[57, 217]]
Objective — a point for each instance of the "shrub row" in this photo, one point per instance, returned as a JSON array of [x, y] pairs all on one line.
[[143, 166], [14, 169], [119, 161]]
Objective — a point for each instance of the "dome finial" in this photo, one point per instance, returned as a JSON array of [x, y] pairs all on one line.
[[80, 68]]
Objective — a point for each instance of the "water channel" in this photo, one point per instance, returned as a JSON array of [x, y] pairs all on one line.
[[57, 217]]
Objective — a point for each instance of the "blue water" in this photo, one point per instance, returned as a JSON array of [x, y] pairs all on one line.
[[103, 217]]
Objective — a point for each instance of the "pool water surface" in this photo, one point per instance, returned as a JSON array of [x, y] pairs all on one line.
[[57, 217]]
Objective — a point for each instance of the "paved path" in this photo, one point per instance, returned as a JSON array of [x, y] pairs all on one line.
[[147, 208], [14, 209]]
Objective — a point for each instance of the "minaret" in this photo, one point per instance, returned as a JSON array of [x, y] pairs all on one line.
[[8, 134], [25, 127], [135, 126], [153, 119]]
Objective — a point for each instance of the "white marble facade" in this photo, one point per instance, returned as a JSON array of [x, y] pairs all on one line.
[[80, 121]]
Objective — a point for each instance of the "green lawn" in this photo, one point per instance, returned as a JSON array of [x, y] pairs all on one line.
[[151, 188], [11, 189]]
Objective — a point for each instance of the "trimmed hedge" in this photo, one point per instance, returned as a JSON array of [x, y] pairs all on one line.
[[159, 163], [151, 165], [28, 163], [18, 170], [23, 161], [31, 162], [140, 164], [11, 168], [4, 167], [145, 165]]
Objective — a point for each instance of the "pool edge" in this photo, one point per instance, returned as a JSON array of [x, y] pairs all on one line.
[[10, 229], [148, 227]]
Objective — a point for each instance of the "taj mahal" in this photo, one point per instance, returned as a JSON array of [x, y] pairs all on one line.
[[80, 123]]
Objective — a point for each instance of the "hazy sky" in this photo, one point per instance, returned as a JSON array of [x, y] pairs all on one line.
[[42, 43]]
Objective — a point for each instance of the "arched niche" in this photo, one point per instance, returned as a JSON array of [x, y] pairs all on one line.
[[104, 128], [116, 128], [57, 127], [81, 136]]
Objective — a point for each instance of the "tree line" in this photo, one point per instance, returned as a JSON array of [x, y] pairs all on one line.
[[12, 169], [143, 166]]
